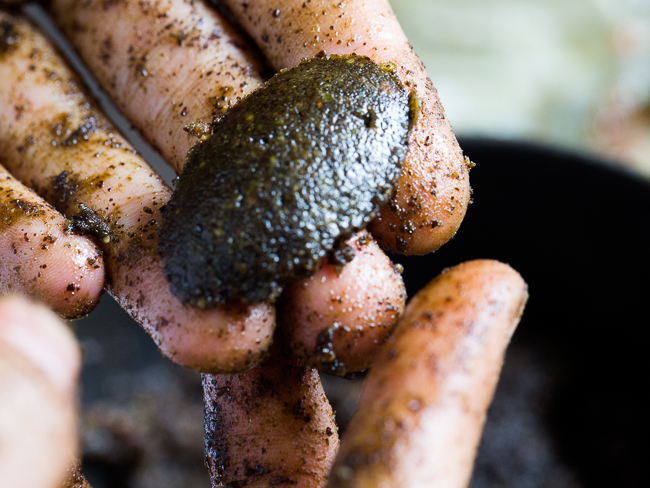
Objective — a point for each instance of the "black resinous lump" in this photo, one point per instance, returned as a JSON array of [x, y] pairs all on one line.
[[289, 174]]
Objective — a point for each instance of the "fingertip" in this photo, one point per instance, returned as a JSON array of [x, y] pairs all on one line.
[[76, 280], [338, 319], [41, 337]]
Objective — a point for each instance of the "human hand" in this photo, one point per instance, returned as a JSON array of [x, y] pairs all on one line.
[[182, 54], [415, 221], [134, 278], [79, 162]]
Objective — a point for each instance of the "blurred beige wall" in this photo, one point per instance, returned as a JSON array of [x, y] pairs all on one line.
[[574, 73]]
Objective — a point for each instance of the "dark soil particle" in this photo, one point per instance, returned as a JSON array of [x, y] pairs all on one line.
[[12, 210], [88, 222], [216, 446], [64, 186], [342, 256], [290, 173], [324, 353], [8, 37], [83, 132]]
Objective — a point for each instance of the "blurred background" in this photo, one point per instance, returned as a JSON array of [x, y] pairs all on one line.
[[571, 74]]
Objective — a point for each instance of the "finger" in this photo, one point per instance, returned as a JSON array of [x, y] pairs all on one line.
[[39, 365], [433, 192], [36, 334], [172, 69], [271, 426], [338, 319], [40, 259], [53, 137], [423, 406], [165, 63]]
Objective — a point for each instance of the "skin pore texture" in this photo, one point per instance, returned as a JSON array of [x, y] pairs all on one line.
[[54, 139], [40, 258], [433, 191]]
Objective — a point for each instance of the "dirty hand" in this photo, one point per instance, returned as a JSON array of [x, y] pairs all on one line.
[[55, 140], [161, 61]]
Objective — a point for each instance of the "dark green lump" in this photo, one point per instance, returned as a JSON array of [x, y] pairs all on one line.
[[290, 173]]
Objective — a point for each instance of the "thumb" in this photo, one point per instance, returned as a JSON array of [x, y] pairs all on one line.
[[39, 365]]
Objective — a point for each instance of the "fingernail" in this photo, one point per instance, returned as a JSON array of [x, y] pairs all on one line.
[[40, 336]]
